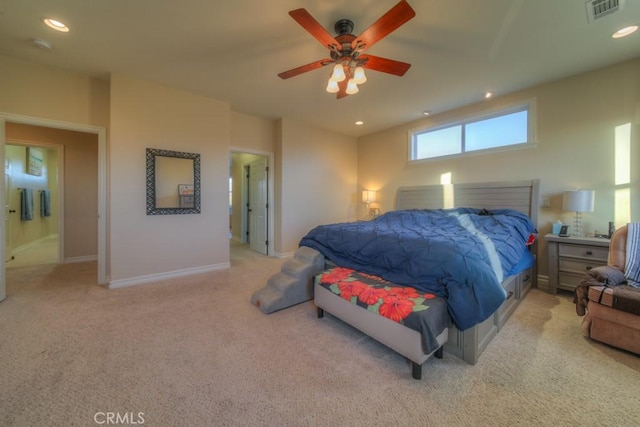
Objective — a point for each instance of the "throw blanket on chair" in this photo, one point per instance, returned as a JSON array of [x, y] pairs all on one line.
[[632, 265]]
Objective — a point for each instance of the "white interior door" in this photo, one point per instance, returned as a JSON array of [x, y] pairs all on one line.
[[7, 214], [258, 206], [3, 224]]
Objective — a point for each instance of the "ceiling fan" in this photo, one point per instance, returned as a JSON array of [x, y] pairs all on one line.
[[346, 50]]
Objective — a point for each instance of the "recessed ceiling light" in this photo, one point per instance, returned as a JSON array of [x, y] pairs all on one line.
[[425, 113], [359, 123], [488, 95], [623, 32], [42, 44], [56, 25]]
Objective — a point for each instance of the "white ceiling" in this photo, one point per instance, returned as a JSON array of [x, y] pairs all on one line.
[[232, 50]]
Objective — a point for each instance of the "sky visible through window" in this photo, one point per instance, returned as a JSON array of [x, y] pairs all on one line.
[[510, 128]]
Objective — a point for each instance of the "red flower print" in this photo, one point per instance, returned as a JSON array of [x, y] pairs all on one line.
[[376, 278], [350, 289], [403, 292], [429, 296], [336, 275], [396, 308], [371, 295]]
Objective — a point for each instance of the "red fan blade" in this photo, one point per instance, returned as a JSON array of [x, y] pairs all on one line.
[[385, 65], [304, 68], [343, 89], [390, 21], [308, 22]]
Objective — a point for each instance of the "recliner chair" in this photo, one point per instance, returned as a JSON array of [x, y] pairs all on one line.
[[612, 307]]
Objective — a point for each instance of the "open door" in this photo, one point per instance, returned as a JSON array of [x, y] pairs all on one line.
[[3, 227], [257, 207]]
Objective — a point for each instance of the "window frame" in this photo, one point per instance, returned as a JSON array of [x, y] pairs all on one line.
[[527, 105]]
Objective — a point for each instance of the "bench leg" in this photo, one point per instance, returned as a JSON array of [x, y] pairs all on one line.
[[439, 352], [416, 371], [320, 313]]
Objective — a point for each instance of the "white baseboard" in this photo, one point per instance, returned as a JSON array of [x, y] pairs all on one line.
[[33, 244], [121, 283], [76, 259]]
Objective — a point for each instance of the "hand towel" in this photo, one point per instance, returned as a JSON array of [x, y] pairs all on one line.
[[45, 203], [26, 204]]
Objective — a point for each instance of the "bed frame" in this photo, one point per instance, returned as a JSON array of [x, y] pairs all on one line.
[[468, 345]]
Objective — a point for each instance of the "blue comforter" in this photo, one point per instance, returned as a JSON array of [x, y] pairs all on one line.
[[459, 254]]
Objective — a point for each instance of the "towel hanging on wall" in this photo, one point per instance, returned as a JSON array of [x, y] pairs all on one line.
[[45, 203], [26, 204]]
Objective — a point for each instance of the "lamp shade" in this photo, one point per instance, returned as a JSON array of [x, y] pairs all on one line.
[[368, 196], [578, 200]]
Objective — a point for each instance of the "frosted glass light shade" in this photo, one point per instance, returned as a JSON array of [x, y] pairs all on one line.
[[338, 74], [332, 86], [358, 76], [578, 200], [368, 196], [352, 87]]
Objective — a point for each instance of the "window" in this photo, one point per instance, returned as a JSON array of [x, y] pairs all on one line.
[[509, 127]]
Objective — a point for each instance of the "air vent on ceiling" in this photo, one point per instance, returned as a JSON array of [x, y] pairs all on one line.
[[600, 8]]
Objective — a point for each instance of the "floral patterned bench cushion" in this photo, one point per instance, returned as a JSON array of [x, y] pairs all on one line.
[[423, 312]]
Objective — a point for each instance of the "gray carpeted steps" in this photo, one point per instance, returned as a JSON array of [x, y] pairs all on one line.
[[293, 284]]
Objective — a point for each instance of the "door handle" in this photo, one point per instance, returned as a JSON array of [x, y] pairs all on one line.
[[12, 211]]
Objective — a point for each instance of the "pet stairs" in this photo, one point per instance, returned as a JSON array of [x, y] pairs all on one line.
[[293, 284]]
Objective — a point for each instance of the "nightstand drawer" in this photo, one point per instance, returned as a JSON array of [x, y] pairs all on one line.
[[578, 266], [568, 281], [583, 251]]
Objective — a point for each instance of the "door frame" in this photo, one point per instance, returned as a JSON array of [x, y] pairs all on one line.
[[101, 132], [270, 190], [60, 183]]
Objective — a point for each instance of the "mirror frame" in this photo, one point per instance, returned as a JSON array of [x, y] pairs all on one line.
[[152, 153]]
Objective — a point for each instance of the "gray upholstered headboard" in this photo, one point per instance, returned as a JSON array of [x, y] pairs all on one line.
[[519, 195]]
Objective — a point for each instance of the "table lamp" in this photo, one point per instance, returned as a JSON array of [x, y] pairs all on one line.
[[578, 201]]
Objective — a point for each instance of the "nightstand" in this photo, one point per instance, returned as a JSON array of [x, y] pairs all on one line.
[[571, 257]]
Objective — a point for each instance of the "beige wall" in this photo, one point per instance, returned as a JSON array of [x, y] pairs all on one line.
[[46, 92], [316, 181], [252, 133], [576, 122], [145, 115]]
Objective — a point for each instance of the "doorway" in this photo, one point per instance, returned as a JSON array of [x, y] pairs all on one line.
[[250, 200], [100, 135]]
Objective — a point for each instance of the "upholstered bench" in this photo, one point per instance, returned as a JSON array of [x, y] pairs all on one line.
[[412, 323]]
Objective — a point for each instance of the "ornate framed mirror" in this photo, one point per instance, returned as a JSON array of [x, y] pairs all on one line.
[[173, 182]]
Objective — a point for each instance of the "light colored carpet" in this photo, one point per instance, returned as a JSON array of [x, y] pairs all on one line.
[[195, 352]]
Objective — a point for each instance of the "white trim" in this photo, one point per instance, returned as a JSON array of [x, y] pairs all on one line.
[[77, 259], [3, 241], [122, 283], [33, 243], [101, 132]]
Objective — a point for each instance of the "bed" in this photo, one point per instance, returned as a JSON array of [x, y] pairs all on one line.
[[468, 334]]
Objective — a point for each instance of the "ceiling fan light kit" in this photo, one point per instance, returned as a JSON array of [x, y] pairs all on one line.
[[346, 50]]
